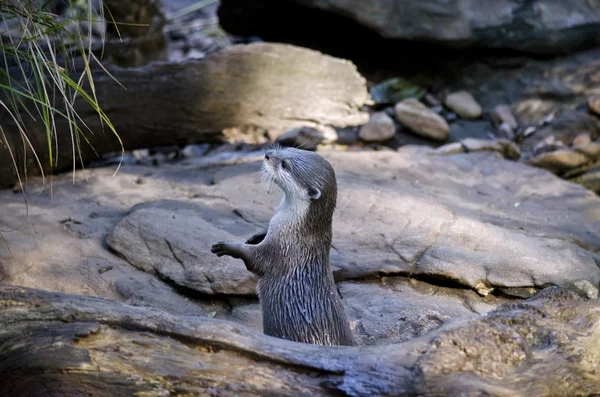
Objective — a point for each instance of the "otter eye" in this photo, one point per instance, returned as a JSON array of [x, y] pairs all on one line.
[[284, 164]]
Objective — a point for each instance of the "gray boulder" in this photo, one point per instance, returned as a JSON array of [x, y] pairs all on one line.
[[538, 26]]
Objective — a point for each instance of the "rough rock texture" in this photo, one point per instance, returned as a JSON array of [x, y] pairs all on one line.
[[451, 237], [538, 26], [421, 120], [257, 88], [67, 345], [170, 238], [471, 228]]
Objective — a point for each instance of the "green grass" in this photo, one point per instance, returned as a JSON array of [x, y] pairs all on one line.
[[40, 45]]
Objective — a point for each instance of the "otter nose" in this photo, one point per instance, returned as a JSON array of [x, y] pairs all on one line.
[[270, 155]]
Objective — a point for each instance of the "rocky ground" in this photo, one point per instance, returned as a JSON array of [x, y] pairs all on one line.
[[463, 196], [419, 237]]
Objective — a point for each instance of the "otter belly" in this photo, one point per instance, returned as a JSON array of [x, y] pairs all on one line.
[[304, 311]]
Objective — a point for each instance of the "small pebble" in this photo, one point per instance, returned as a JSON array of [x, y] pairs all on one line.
[[380, 128], [463, 104], [594, 104]]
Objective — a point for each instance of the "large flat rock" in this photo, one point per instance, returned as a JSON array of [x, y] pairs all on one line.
[[473, 219], [418, 238]]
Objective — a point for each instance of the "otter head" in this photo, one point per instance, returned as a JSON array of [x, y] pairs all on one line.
[[303, 176]]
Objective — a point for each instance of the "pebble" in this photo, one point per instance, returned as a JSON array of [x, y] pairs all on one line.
[[463, 104], [507, 148], [505, 121], [505, 131], [502, 114], [561, 161], [379, 128], [421, 120], [581, 140], [307, 138], [594, 104]]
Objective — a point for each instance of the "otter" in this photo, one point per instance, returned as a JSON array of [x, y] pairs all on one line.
[[296, 289]]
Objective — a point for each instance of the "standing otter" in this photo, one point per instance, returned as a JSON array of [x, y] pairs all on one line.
[[299, 299]]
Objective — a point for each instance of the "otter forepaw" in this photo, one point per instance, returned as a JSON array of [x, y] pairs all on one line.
[[226, 248]]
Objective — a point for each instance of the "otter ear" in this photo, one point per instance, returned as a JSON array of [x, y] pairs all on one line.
[[313, 193]]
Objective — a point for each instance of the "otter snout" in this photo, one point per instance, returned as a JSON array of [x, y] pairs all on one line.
[[272, 158]]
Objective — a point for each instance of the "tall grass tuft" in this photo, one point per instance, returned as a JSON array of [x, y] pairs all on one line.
[[38, 78]]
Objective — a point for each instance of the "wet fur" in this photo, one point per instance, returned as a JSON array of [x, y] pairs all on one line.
[[297, 292]]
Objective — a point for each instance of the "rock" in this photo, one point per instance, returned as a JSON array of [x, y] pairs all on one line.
[[308, 138], [560, 132], [190, 151], [508, 149], [583, 288], [594, 104], [504, 131], [581, 140], [561, 161], [465, 129], [449, 149], [505, 121], [545, 346], [463, 104], [502, 114], [418, 308], [553, 26], [436, 238], [533, 88], [405, 137], [421, 120], [392, 91], [590, 179], [157, 111], [154, 237], [347, 136], [463, 225], [379, 128]]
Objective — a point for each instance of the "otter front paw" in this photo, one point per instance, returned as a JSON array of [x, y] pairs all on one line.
[[226, 248]]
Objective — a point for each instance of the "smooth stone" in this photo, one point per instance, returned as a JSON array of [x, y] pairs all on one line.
[[463, 104], [421, 120], [379, 128]]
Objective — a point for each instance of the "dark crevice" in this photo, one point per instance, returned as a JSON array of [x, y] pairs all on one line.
[[341, 36], [197, 296], [442, 282]]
